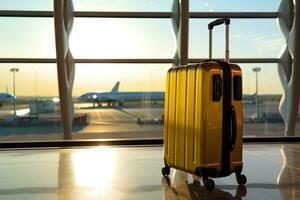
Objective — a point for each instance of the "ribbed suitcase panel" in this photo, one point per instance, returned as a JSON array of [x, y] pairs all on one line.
[[208, 120], [180, 117], [171, 117], [166, 117], [199, 126], [190, 141]]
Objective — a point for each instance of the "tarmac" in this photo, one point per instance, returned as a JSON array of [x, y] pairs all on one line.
[[121, 122]]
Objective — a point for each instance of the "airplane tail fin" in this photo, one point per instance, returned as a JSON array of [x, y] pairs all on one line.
[[115, 89]]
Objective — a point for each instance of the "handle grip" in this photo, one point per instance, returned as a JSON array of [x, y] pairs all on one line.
[[233, 128], [211, 25], [218, 22]]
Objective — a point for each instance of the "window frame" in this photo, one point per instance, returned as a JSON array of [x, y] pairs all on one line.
[[151, 15]]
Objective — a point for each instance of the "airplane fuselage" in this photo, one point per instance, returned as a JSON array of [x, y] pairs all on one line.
[[6, 97], [122, 96], [114, 96]]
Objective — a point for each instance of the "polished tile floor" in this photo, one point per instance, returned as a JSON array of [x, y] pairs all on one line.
[[273, 172]]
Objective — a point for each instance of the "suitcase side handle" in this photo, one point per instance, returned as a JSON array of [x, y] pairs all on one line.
[[233, 128], [211, 25]]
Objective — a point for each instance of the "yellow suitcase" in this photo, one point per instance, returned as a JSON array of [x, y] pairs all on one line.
[[203, 116]]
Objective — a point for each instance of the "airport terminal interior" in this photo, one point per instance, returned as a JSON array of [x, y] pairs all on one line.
[[91, 106]]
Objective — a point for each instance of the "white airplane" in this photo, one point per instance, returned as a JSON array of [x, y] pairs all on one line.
[[115, 97], [249, 98]]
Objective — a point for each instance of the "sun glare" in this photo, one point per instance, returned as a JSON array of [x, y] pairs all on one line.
[[110, 38], [94, 168]]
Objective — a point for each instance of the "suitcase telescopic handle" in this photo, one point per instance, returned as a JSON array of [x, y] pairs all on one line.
[[211, 25], [233, 128]]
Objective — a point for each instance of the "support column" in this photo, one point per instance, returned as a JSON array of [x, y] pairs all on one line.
[[63, 21], [180, 22], [289, 64]]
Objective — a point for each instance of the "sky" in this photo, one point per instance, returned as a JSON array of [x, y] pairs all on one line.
[[132, 38]]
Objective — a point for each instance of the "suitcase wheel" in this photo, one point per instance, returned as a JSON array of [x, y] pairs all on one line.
[[165, 171], [209, 184], [241, 179], [241, 191]]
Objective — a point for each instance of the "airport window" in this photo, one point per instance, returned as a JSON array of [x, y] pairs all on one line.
[[27, 37], [37, 114], [262, 117], [134, 41], [245, 41], [86, 95], [132, 119]]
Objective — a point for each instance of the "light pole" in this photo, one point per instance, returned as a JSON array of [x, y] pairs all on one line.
[[256, 70], [14, 70]]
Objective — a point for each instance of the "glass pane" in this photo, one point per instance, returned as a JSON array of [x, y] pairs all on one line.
[[37, 115], [136, 38], [234, 5], [122, 38], [26, 5], [120, 5], [249, 38], [27, 38], [262, 118], [129, 111]]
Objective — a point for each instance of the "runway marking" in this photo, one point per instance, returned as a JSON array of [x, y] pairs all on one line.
[[127, 114], [99, 116], [111, 117], [105, 116]]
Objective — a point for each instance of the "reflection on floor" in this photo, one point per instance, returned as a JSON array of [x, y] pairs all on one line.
[[273, 172]]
